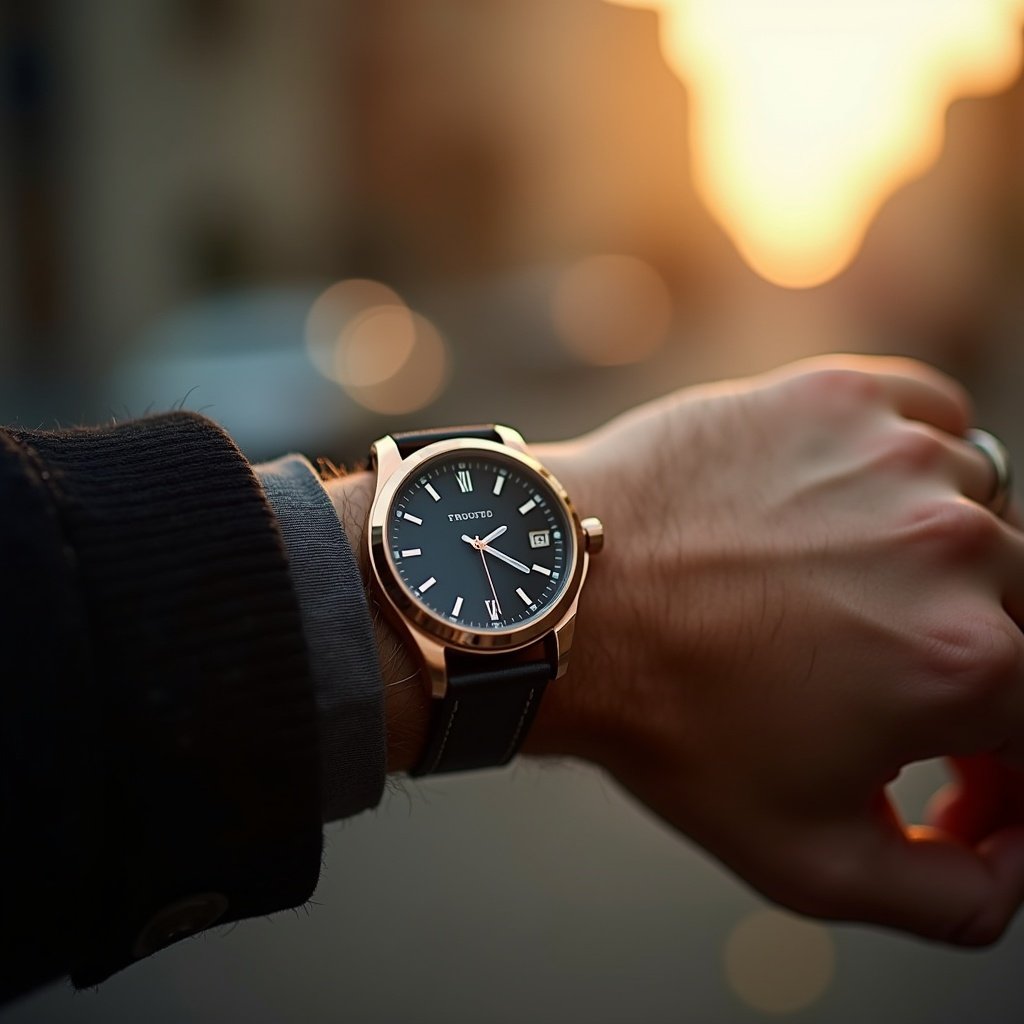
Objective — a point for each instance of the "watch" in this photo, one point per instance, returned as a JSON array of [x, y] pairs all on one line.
[[478, 557]]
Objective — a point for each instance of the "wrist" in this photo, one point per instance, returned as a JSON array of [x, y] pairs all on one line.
[[407, 706], [578, 716]]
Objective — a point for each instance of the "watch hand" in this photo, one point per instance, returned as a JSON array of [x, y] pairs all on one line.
[[505, 558], [494, 593], [494, 533]]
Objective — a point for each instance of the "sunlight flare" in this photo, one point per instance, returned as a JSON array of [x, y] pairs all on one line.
[[806, 116]]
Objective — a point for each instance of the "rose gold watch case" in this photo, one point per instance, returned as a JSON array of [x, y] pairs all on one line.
[[431, 634]]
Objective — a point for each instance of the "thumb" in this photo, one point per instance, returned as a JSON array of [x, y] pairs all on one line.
[[925, 881]]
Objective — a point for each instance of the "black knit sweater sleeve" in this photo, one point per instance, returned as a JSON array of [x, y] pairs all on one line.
[[158, 756]]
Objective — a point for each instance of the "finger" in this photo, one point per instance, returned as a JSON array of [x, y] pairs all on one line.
[[1011, 779], [928, 396], [916, 390], [969, 808], [978, 478], [967, 468], [987, 794], [1007, 557], [924, 881]]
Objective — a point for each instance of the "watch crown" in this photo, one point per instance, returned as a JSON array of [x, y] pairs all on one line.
[[593, 533]]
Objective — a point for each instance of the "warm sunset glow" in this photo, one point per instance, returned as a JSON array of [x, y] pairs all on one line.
[[806, 115]]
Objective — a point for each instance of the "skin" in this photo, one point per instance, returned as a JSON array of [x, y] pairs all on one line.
[[801, 593]]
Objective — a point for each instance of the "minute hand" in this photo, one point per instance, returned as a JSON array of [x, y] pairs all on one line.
[[506, 558]]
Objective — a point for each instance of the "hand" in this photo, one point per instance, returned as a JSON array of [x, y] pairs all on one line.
[[799, 595]]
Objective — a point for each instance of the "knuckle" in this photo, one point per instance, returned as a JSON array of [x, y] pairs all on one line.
[[972, 657], [955, 525], [839, 390], [913, 447]]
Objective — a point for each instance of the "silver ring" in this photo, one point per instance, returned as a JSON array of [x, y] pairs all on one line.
[[995, 451]]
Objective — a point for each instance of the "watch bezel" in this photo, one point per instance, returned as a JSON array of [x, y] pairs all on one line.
[[418, 616]]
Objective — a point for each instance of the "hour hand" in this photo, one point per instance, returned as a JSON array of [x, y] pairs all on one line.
[[492, 535]]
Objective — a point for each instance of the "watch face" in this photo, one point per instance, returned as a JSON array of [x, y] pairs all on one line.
[[480, 540]]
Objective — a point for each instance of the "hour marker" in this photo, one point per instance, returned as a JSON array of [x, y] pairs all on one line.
[[410, 518], [493, 610], [465, 480], [540, 568], [523, 509], [433, 493], [412, 552], [499, 482], [427, 584], [522, 593], [457, 607]]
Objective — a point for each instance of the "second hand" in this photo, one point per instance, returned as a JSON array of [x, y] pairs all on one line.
[[483, 558]]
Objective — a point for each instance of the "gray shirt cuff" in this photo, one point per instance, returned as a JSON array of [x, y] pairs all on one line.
[[339, 634]]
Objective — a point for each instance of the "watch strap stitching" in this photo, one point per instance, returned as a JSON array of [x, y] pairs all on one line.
[[444, 740], [511, 749]]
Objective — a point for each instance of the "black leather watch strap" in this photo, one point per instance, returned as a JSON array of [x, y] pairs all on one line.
[[491, 698], [413, 440], [484, 716]]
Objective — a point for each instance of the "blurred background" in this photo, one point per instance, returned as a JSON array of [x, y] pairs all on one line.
[[323, 220]]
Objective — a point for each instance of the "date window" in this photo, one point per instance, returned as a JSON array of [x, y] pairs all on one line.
[[540, 538]]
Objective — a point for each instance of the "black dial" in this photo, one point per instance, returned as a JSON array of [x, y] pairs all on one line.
[[480, 540]]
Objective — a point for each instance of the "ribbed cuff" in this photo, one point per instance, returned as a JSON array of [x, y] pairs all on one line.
[[336, 620]]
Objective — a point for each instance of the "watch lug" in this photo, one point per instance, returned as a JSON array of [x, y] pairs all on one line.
[[511, 438], [385, 458], [563, 641]]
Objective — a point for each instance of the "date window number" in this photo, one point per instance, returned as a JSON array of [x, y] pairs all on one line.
[[540, 538]]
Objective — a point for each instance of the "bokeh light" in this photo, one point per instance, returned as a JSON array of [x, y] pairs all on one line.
[[807, 116], [374, 346], [610, 310], [414, 382], [337, 307], [388, 358], [777, 963]]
